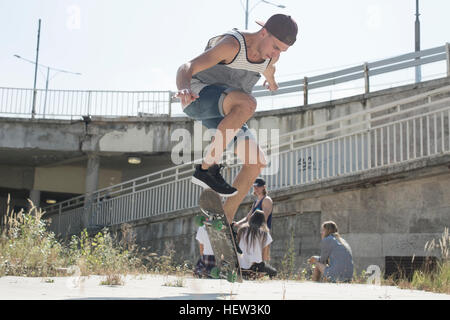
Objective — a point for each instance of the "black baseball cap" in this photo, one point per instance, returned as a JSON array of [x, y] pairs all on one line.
[[282, 27], [259, 182]]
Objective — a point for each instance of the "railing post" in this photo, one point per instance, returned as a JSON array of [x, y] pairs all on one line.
[[366, 78], [134, 214], [447, 51], [305, 91], [89, 103], [59, 218], [170, 103]]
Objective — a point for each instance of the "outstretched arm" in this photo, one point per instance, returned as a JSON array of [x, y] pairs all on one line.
[[225, 50], [243, 220]]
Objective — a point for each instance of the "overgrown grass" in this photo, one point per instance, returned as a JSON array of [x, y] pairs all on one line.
[[288, 269], [437, 280], [28, 248]]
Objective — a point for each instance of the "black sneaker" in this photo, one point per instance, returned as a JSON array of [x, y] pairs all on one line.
[[212, 178]]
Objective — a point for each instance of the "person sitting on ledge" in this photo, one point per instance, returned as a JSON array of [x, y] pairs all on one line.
[[335, 263]]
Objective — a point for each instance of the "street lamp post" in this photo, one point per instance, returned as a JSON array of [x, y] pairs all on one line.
[[417, 42], [247, 11], [33, 108]]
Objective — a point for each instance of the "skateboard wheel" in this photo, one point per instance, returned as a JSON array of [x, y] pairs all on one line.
[[217, 224], [215, 273], [232, 277], [199, 220]]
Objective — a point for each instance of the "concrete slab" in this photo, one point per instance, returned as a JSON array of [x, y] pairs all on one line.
[[159, 287]]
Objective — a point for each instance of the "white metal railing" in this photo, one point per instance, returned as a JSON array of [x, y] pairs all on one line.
[[364, 71], [18, 102], [399, 131]]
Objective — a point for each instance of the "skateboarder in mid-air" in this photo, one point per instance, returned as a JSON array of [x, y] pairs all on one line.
[[216, 87]]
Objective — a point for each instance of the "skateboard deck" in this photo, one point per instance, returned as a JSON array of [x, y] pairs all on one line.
[[220, 235]]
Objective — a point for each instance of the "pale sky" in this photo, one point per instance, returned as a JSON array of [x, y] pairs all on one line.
[[139, 44]]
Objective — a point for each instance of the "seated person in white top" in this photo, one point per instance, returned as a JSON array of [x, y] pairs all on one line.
[[207, 260], [254, 240]]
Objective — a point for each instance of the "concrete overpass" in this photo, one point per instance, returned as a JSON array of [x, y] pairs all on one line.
[[388, 198]]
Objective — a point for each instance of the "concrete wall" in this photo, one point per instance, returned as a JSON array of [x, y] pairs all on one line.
[[16, 177], [385, 212], [393, 219], [71, 179]]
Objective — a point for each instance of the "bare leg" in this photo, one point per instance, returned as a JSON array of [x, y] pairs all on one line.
[[238, 107], [318, 271], [316, 275], [253, 162]]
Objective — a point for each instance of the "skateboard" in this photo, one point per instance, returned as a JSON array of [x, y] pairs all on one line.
[[220, 235]]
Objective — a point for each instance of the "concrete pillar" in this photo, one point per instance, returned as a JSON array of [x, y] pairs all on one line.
[[92, 171], [35, 197]]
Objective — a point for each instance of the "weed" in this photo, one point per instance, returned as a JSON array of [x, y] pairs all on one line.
[[113, 279], [287, 270], [178, 282], [437, 280], [26, 247]]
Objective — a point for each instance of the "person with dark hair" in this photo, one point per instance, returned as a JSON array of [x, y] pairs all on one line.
[[335, 263], [254, 240]]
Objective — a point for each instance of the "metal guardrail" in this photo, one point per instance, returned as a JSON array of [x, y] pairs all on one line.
[[364, 71], [399, 131], [17, 102]]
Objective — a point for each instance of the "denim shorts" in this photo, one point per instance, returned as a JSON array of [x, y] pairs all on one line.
[[208, 109]]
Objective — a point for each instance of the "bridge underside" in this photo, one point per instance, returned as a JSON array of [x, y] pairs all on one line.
[[60, 175]]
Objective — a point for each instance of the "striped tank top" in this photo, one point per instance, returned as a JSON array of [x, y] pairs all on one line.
[[239, 74]]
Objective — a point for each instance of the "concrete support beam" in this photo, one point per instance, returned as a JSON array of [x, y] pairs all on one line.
[[35, 197], [92, 173]]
